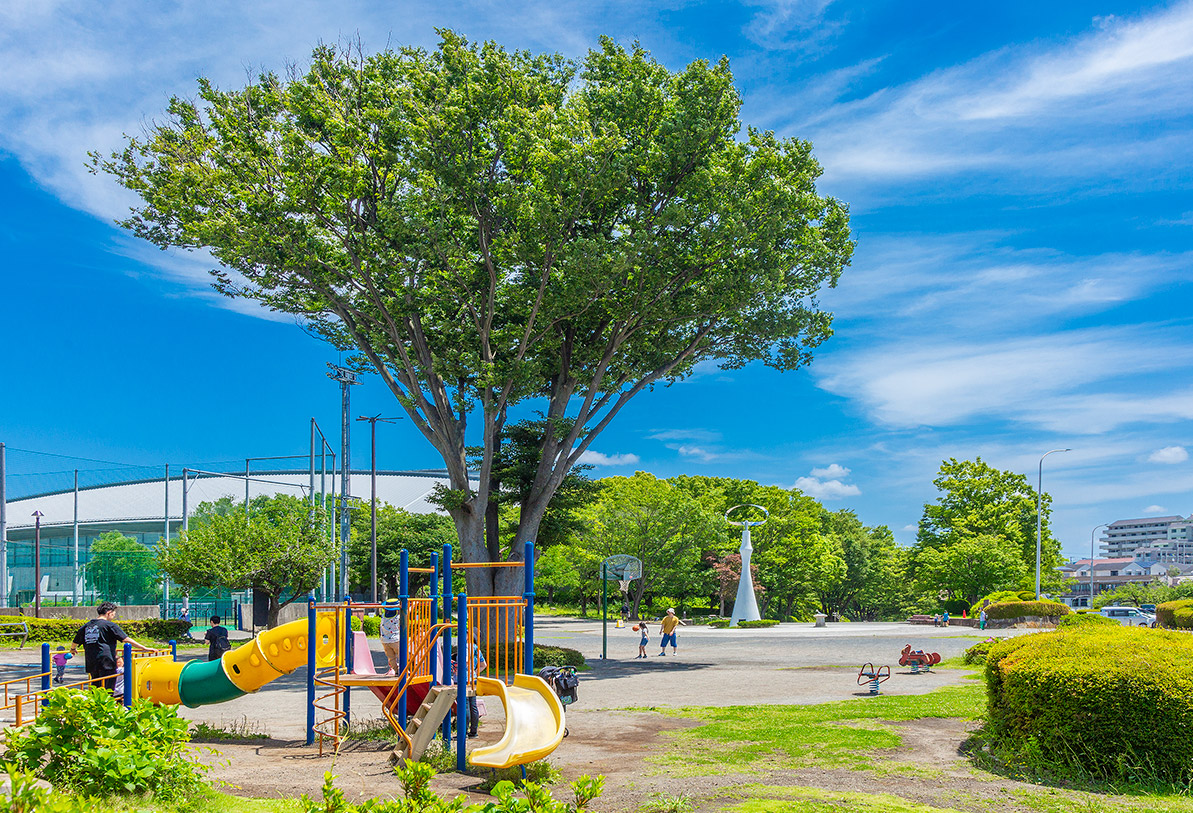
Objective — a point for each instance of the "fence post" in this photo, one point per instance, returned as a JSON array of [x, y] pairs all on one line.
[[528, 569], [403, 641], [128, 675], [463, 665], [311, 671]]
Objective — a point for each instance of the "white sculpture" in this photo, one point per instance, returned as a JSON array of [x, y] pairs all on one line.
[[745, 607]]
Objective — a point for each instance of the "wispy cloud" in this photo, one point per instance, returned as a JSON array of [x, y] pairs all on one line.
[[1169, 454], [1155, 509], [600, 459]]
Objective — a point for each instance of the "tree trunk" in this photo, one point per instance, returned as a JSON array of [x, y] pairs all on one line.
[[271, 620]]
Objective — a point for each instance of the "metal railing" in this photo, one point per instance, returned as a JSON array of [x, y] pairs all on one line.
[[23, 634]]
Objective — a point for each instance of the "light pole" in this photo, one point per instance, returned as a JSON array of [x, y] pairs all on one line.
[[1039, 508], [1091, 561], [346, 379], [373, 475], [37, 515]]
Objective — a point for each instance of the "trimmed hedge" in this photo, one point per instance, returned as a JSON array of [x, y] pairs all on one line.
[[1085, 620], [1023, 609], [1175, 614], [765, 622], [995, 598], [1112, 703], [64, 629], [976, 654]]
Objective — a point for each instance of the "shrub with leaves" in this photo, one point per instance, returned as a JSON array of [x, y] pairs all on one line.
[[1085, 620], [417, 797], [976, 654], [1104, 702], [90, 743], [1026, 609], [1175, 614], [64, 629]]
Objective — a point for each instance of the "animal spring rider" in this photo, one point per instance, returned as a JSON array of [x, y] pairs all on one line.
[[918, 659], [874, 676]]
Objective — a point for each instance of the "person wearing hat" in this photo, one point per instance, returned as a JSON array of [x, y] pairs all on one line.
[[670, 622], [391, 632]]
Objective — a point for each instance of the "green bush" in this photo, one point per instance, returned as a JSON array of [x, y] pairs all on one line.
[[765, 622], [64, 629], [1175, 614], [556, 656], [26, 796], [415, 778], [91, 744], [976, 654], [1085, 620], [371, 624], [1105, 702], [1027, 595], [720, 623], [994, 598], [1025, 609]]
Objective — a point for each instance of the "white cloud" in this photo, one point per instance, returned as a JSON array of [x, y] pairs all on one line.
[[699, 435], [827, 483], [833, 471], [939, 381], [1169, 454], [698, 452], [911, 527], [599, 459], [1155, 509]]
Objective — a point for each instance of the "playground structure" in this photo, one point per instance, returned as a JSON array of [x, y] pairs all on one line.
[[918, 659], [868, 674], [339, 659]]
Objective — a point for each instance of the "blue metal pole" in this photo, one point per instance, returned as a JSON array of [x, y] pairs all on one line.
[[403, 641], [447, 635], [45, 669], [128, 675], [463, 665], [173, 650], [310, 671], [528, 569], [434, 588], [447, 582], [349, 650]]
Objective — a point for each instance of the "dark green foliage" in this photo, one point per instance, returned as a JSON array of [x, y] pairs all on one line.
[[996, 598], [1026, 609], [90, 743], [1108, 703], [1175, 614], [371, 624], [765, 622], [976, 654], [556, 656], [64, 629], [1085, 620]]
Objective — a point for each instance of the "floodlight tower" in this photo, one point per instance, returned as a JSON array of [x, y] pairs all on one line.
[[745, 606], [346, 378]]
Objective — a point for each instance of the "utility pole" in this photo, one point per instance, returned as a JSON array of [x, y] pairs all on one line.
[[75, 525], [346, 378], [373, 478], [37, 515], [3, 528]]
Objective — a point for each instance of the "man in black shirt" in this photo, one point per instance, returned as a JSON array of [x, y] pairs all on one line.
[[217, 640], [99, 638]]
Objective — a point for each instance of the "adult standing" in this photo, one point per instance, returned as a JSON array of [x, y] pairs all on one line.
[[99, 638], [670, 622], [217, 639]]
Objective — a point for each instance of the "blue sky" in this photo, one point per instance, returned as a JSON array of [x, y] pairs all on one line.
[[1019, 179]]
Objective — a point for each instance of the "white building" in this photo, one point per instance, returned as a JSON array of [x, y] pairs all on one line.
[[1165, 539]]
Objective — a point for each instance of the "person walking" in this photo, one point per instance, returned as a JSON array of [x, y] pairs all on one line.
[[99, 637], [391, 633], [982, 620], [217, 640], [670, 622], [61, 656]]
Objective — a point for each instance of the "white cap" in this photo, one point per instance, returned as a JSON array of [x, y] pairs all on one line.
[[670, 609]]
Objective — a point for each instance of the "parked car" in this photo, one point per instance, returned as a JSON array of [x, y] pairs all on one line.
[[1150, 609], [1129, 616]]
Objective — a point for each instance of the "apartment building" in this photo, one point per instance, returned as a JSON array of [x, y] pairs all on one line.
[[1150, 539]]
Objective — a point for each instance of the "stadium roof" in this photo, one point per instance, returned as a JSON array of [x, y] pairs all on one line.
[[145, 500]]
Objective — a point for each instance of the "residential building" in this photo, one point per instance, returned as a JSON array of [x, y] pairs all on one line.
[[1164, 539], [1113, 573]]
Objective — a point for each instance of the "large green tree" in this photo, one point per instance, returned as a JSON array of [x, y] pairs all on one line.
[[484, 226], [123, 570], [279, 547], [978, 500], [420, 534], [971, 567]]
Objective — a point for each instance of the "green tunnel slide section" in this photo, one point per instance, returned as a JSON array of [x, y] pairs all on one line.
[[202, 683]]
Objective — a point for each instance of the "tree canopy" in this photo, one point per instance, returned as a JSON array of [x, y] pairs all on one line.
[[279, 548], [121, 569], [485, 226]]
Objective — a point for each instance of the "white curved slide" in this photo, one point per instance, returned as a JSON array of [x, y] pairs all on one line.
[[534, 722]]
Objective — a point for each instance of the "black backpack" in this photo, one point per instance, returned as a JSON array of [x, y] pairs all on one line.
[[563, 681]]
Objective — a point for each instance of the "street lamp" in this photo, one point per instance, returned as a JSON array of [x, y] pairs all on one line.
[[1039, 508], [373, 465], [1091, 561], [37, 515]]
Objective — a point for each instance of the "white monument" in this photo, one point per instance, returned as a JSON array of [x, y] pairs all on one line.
[[745, 607]]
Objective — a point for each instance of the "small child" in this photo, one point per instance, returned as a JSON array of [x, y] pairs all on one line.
[[119, 690], [644, 640], [61, 656]]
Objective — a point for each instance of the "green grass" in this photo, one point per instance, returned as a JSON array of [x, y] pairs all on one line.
[[241, 729], [772, 799], [845, 734]]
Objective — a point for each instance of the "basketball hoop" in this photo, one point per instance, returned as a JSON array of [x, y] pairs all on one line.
[[622, 568], [624, 584]]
